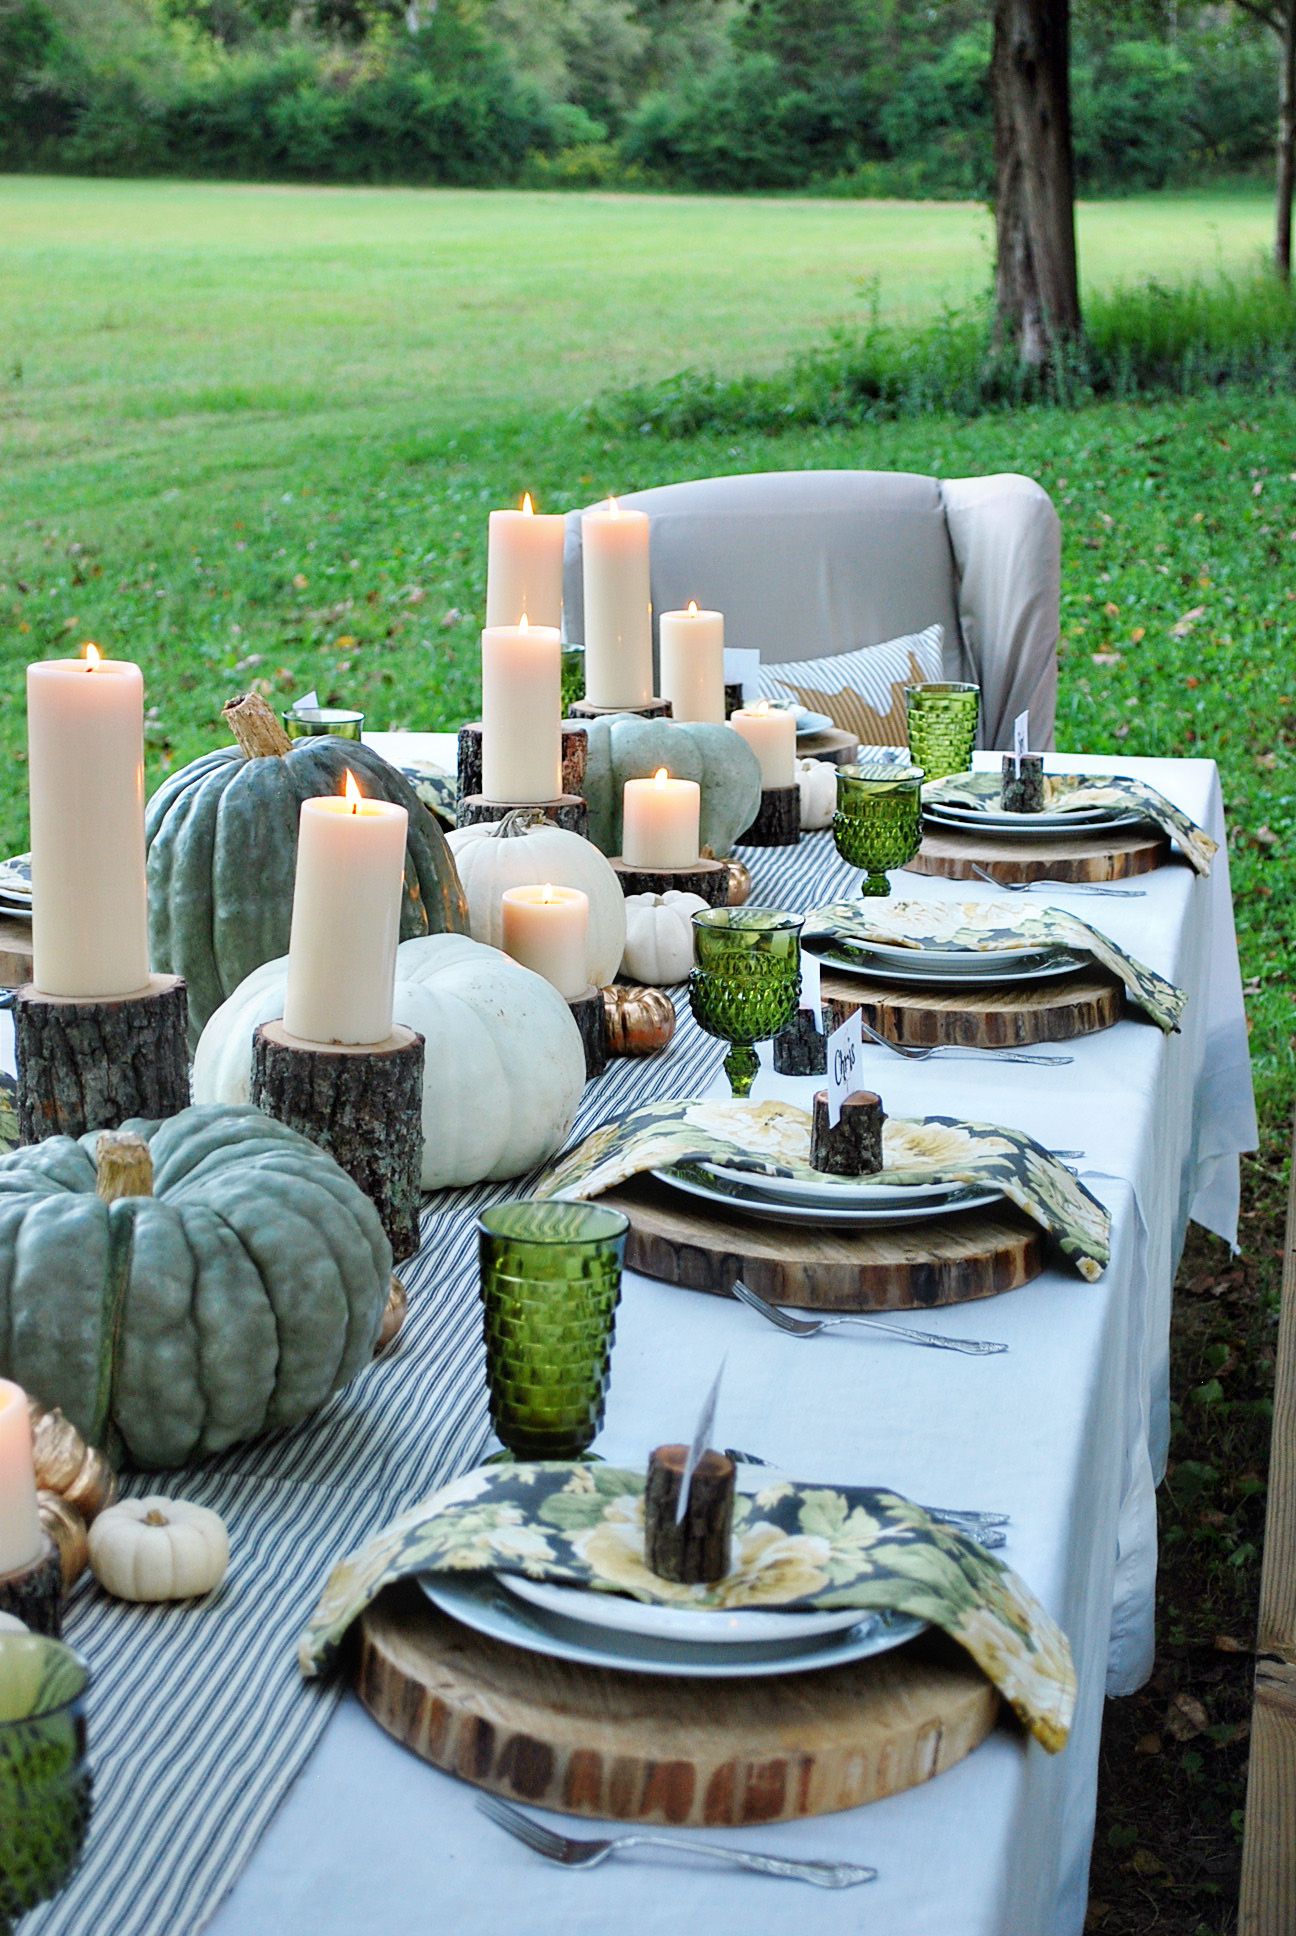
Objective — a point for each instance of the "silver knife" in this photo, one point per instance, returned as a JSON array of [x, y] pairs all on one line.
[[702, 1432]]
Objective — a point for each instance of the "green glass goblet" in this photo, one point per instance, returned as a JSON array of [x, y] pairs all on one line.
[[44, 1775], [942, 719], [878, 822], [550, 1284], [745, 981]]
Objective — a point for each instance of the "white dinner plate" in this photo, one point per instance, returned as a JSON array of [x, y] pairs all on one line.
[[997, 972], [955, 960], [848, 1192], [808, 723], [1028, 826], [480, 1602], [696, 1182], [712, 1627]]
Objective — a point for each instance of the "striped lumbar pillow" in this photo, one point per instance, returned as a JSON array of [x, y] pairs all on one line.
[[861, 691]]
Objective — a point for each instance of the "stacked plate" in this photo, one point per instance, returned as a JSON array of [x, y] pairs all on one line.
[[607, 1630], [928, 964], [15, 887], [806, 721], [952, 816], [839, 1202]]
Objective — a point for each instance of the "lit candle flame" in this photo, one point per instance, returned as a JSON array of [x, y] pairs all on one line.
[[614, 509], [761, 706], [93, 657], [351, 792], [528, 509], [661, 776], [692, 606], [547, 895], [522, 623]]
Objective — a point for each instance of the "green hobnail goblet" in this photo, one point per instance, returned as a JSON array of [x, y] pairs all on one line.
[[550, 1283], [942, 718], [878, 822], [45, 1779], [745, 981]]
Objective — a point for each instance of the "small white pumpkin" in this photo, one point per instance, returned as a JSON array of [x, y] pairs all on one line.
[[503, 1070], [10, 1623], [158, 1549], [659, 937], [817, 780], [526, 850]]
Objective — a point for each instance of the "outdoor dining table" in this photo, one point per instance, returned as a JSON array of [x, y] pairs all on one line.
[[340, 1829]]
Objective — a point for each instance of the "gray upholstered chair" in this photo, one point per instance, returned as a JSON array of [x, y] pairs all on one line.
[[805, 564]]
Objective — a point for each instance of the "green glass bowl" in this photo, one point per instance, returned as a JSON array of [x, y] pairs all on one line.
[[942, 718], [878, 822], [550, 1285], [45, 1780], [745, 981]]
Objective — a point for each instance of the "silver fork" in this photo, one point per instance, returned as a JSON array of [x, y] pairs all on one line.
[[810, 1327], [968, 1516], [967, 1055], [585, 1852], [1051, 887]]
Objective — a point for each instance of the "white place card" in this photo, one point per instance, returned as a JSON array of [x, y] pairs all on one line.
[[845, 1053], [1021, 737], [811, 987]]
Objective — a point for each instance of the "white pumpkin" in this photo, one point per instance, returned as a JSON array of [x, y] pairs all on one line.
[[659, 937], [817, 780], [525, 850], [503, 1071], [158, 1549]]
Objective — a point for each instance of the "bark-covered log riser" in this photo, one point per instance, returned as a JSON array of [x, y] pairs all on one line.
[[93, 1065], [589, 1017], [710, 884], [575, 755], [35, 1596], [853, 1145], [569, 813], [778, 824], [698, 1548]]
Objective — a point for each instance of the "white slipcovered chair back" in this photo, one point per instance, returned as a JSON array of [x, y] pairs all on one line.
[[806, 564]]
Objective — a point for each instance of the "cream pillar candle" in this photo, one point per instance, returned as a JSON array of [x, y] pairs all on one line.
[[345, 919], [85, 777], [521, 713], [20, 1528], [660, 821], [692, 664], [618, 607], [547, 930], [771, 734], [524, 567]]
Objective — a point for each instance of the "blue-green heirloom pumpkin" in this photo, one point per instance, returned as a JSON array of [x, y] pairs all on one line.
[[234, 1300], [623, 747]]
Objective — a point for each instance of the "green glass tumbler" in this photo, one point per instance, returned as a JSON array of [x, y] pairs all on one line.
[[317, 722], [45, 1779], [550, 1284], [878, 822], [745, 981], [942, 726]]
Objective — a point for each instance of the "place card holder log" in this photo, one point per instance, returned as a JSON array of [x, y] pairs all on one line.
[[34, 1593], [708, 879], [575, 755], [569, 811], [778, 824], [1022, 786], [733, 697], [589, 1017], [852, 1146], [651, 709], [363, 1105], [697, 1549], [93, 1064], [801, 1049]]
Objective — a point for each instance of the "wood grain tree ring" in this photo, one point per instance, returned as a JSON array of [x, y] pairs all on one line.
[[15, 951], [587, 1013], [33, 1594], [995, 1018], [575, 753], [644, 1748], [86, 1065], [570, 812], [651, 709], [906, 1267], [363, 1105], [834, 744], [709, 879], [778, 824], [1110, 856]]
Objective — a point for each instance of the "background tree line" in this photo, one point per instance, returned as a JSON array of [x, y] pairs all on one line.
[[853, 96]]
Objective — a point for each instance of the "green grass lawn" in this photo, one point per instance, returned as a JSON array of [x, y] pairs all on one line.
[[252, 434]]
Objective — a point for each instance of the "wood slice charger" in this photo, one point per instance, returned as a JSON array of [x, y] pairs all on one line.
[[990, 1018], [902, 1267], [1112, 856], [647, 1748]]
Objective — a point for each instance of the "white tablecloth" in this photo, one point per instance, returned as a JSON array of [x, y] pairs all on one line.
[[1066, 1432]]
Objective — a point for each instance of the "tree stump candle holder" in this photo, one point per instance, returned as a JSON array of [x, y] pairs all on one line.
[[733, 697], [778, 824], [34, 1593], [801, 1049], [589, 1017], [651, 709], [92, 1064], [708, 879], [575, 755], [569, 811], [697, 1549], [363, 1105]]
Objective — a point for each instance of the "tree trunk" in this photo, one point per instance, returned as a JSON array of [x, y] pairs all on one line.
[[1286, 174], [1037, 295]]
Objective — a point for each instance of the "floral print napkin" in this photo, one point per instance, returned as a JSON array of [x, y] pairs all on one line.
[[989, 925], [1067, 792], [773, 1139], [794, 1546]]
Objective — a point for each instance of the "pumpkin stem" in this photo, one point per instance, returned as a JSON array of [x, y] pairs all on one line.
[[520, 820], [155, 1518], [259, 734], [123, 1166]]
